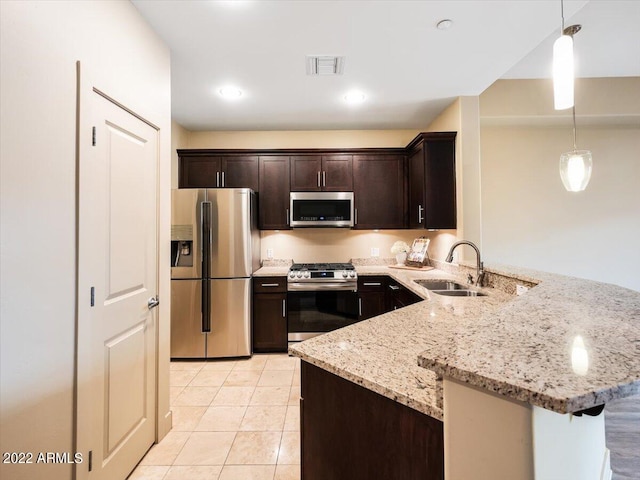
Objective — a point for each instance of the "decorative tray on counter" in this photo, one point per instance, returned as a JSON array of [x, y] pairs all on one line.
[[409, 267]]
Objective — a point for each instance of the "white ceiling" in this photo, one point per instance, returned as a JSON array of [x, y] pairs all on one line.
[[408, 68]]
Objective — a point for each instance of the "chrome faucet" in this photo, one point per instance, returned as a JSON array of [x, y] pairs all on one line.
[[479, 266]]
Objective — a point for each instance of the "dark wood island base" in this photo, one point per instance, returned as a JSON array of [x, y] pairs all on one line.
[[350, 433]]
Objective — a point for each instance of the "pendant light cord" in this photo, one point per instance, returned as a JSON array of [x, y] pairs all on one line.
[[573, 111], [562, 16]]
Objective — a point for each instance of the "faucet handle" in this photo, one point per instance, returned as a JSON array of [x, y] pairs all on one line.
[[469, 278]]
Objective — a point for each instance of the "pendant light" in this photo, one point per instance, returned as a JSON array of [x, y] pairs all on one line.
[[563, 65], [575, 166]]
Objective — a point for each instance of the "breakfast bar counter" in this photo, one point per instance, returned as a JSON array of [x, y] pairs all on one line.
[[566, 345]]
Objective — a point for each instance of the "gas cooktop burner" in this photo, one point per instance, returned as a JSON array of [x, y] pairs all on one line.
[[322, 266]]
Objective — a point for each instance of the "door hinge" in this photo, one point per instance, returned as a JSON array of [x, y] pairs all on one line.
[[93, 136], [93, 296], [90, 462]]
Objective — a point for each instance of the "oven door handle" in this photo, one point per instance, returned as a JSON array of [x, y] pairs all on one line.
[[315, 287]]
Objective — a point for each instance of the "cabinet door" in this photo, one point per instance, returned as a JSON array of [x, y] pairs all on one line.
[[273, 199], [371, 296], [200, 171], [306, 173], [269, 322], [400, 296], [239, 172], [440, 180], [337, 173], [415, 166], [378, 185], [371, 304]]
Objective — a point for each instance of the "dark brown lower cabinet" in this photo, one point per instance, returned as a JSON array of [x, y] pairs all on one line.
[[270, 314], [399, 296], [351, 433], [372, 300]]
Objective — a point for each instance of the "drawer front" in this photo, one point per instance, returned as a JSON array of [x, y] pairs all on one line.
[[375, 283], [269, 284]]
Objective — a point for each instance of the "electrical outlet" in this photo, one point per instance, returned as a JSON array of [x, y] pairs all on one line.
[[269, 253], [375, 252], [521, 289]]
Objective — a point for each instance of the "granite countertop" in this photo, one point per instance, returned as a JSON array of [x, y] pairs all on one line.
[[273, 268], [530, 347]]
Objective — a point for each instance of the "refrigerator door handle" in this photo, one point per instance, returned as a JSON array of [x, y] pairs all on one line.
[[206, 307], [206, 253]]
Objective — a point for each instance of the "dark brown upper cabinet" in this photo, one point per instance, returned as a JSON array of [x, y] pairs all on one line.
[[432, 181], [198, 171], [219, 171], [412, 187], [273, 196], [378, 190], [328, 173]]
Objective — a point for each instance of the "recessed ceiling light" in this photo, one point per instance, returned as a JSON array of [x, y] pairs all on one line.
[[230, 93], [355, 96], [444, 24]]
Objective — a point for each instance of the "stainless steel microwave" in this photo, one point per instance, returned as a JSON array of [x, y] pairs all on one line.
[[321, 209]]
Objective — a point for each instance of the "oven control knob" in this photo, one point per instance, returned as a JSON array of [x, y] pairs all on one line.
[[352, 274], [292, 274], [344, 274], [307, 274], [299, 274]]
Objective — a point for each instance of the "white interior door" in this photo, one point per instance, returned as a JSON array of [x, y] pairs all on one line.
[[117, 264]]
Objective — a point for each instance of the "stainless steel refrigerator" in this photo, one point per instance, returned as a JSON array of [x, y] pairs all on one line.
[[215, 248]]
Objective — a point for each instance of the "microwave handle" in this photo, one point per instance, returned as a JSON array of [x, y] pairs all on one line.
[[287, 216], [355, 220]]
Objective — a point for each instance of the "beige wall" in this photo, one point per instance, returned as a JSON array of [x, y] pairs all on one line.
[[179, 139], [303, 139], [40, 44], [528, 218], [341, 245]]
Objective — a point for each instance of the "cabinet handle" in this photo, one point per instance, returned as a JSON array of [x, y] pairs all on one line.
[[284, 309], [269, 284], [223, 179], [217, 179], [394, 287], [359, 306], [287, 216], [355, 220], [420, 217], [372, 284], [318, 179], [324, 179]]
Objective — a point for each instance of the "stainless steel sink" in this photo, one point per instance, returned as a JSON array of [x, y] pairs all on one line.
[[459, 293], [441, 285], [449, 288]]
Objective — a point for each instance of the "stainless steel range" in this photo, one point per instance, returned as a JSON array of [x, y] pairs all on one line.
[[322, 276], [321, 297]]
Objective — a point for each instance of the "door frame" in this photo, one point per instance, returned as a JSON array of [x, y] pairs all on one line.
[[85, 91]]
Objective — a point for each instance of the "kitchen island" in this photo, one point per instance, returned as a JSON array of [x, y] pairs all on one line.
[[565, 346]]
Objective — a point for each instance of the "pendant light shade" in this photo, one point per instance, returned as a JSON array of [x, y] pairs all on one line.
[[575, 169], [563, 72]]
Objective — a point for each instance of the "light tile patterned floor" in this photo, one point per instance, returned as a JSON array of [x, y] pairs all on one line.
[[232, 420]]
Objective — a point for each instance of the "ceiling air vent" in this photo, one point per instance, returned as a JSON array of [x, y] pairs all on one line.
[[325, 65]]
